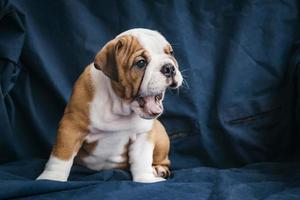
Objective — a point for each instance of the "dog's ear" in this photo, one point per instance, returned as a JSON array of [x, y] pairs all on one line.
[[106, 59]]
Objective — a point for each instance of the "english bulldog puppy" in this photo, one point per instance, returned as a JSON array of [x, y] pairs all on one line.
[[110, 119]]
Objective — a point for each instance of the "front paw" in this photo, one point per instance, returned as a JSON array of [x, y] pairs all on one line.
[[147, 178], [53, 175]]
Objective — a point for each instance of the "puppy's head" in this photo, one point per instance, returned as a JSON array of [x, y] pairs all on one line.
[[141, 66]]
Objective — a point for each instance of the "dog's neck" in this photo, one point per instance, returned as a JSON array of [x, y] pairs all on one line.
[[119, 105], [109, 112], [103, 86]]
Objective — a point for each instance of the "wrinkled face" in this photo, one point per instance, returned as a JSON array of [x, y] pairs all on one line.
[[141, 65]]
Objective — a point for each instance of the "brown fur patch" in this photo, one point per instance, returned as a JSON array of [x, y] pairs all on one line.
[[160, 138], [85, 150], [119, 56], [168, 49], [73, 126]]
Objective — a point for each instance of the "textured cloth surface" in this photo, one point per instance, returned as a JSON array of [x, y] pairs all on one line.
[[269, 181], [239, 106]]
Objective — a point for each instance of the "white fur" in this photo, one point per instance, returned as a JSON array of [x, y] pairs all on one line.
[[107, 153], [57, 169], [141, 158]]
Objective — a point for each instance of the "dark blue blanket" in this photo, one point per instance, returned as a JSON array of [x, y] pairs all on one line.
[[270, 181], [239, 106]]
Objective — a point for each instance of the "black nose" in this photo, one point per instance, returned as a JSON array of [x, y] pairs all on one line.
[[168, 70]]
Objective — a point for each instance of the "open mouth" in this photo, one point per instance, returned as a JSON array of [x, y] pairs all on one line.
[[151, 105]]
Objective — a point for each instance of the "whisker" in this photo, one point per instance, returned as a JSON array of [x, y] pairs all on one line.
[[174, 44], [184, 70], [184, 75], [185, 83]]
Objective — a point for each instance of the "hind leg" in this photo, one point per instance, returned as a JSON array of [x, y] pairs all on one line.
[[161, 162], [161, 171]]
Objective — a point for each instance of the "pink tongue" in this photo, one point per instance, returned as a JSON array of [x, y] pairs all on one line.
[[151, 106]]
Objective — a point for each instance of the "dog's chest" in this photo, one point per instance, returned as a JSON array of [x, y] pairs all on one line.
[[108, 150], [108, 144]]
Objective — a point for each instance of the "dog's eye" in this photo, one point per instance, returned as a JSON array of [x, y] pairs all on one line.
[[141, 63], [171, 53]]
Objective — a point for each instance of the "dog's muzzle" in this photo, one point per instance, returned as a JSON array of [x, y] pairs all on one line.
[[151, 105]]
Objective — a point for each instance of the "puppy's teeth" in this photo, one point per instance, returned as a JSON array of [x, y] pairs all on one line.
[[158, 97], [141, 102]]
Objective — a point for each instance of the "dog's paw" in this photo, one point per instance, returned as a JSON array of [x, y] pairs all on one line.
[[161, 171], [147, 178], [54, 176]]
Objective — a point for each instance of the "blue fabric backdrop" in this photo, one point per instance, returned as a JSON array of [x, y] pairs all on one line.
[[239, 110]]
